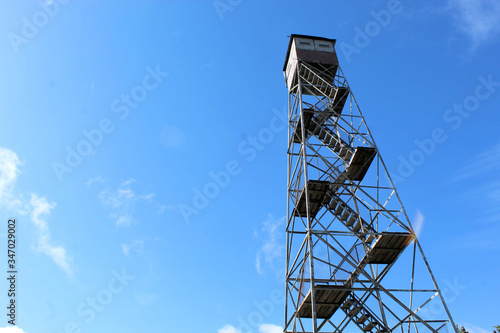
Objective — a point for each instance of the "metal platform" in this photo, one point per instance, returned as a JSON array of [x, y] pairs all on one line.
[[360, 162], [388, 247], [316, 190], [385, 250], [340, 99], [328, 300]]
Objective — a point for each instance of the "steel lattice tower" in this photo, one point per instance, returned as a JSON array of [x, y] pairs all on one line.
[[353, 258]]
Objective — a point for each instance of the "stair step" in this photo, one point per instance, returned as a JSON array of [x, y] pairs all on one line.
[[343, 151], [333, 205], [348, 155], [317, 130], [327, 139], [357, 226], [322, 134], [351, 220], [362, 318], [345, 215], [370, 238], [369, 326], [328, 90], [354, 311], [347, 304], [339, 210], [334, 143]]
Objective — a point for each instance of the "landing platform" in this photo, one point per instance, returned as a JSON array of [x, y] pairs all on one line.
[[340, 99], [328, 300], [360, 162], [385, 250], [316, 190], [387, 247]]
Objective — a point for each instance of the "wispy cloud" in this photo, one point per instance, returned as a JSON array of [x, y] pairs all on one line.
[[479, 20], [9, 171], [122, 202], [40, 208], [484, 164], [485, 191], [484, 201], [94, 180], [476, 329], [136, 246], [271, 252], [486, 196], [479, 239], [228, 329], [37, 207], [270, 328]]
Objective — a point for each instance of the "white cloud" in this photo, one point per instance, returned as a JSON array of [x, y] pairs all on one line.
[[122, 202], [475, 329], [481, 165], [484, 190], [136, 246], [270, 328], [228, 329], [487, 196], [478, 19], [9, 171], [37, 207], [123, 221], [11, 329], [94, 180], [258, 265], [41, 207], [271, 253]]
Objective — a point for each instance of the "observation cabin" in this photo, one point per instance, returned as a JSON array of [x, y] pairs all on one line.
[[316, 52]]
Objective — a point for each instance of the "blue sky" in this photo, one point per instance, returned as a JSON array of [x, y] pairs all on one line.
[[143, 153]]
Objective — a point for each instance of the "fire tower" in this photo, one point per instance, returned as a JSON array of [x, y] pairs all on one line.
[[353, 258]]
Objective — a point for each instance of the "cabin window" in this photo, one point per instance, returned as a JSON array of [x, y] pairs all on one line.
[[304, 44], [324, 46]]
